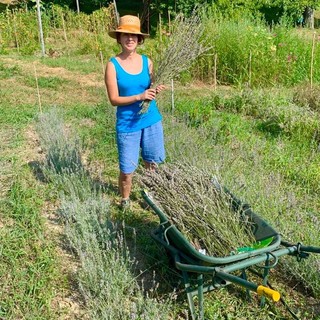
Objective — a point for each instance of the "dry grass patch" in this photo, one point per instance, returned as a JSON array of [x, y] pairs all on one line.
[[78, 88], [88, 80], [6, 167], [15, 93]]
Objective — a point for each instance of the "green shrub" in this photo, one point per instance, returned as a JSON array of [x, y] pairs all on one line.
[[305, 96], [251, 53]]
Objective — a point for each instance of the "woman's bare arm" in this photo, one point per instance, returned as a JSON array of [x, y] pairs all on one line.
[[113, 92], [159, 87]]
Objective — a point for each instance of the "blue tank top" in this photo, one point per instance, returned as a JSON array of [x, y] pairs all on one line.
[[129, 118]]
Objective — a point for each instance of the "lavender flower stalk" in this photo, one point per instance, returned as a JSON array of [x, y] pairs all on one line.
[[183, 47], [193, 204]]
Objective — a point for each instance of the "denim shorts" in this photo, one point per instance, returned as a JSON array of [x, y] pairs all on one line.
[[149, 140]]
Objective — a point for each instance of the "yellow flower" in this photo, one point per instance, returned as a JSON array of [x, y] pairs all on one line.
[[273, 48]]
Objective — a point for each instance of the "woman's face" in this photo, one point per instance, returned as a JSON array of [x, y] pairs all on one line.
[[128, 41]]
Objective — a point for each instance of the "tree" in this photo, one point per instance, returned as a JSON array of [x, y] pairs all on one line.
[[308, 17], [294, 9]]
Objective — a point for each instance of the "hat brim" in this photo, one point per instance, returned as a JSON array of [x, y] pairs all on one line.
[[113, 33]]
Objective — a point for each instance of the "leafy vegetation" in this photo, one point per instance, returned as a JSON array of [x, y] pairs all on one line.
[[244, 50]]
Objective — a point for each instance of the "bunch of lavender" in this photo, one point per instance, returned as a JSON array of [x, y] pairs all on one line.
[[198, 209], [183, 47]]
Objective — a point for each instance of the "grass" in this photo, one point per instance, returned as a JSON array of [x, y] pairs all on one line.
[[87, 65], [29, 268], [46, 82], [8, 71]]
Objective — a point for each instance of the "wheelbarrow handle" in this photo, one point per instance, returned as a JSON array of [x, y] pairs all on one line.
[[267, 292], [260, 289], [301, 248]]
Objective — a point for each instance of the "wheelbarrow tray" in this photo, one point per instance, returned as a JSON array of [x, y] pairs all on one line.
[[171, 235], [191, 262]]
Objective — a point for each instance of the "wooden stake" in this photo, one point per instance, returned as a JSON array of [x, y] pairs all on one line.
[[148, 17], [250, 71], [160, 28], [54, 20], [172, 96], [102, 62], [312, 59], [15, 32], [64, 29], [215, 71], [103, 71], [43, 50], [78, 6], [116, 10], [38, 91]]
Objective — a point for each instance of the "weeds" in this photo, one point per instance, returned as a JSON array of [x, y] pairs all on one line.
[[275, 112], [8, 71], [251, 54], [307, 97]]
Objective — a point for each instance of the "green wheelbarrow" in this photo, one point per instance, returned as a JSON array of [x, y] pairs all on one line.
[[202, 273]]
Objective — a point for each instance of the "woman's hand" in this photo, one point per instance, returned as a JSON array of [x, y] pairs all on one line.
[[149, 94], [159, 88]]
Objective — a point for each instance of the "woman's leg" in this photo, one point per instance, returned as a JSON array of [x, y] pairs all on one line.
[[125, 184], [128, 152], [150, 165]]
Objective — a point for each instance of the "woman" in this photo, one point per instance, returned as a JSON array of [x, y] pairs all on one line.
[[128, 80]]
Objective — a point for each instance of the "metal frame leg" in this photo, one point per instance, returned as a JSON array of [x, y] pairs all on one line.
[[200, 296], [244, 276], [191, 293], [265, 281]]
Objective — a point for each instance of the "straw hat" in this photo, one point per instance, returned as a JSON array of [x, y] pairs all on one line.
[[127, 24]]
